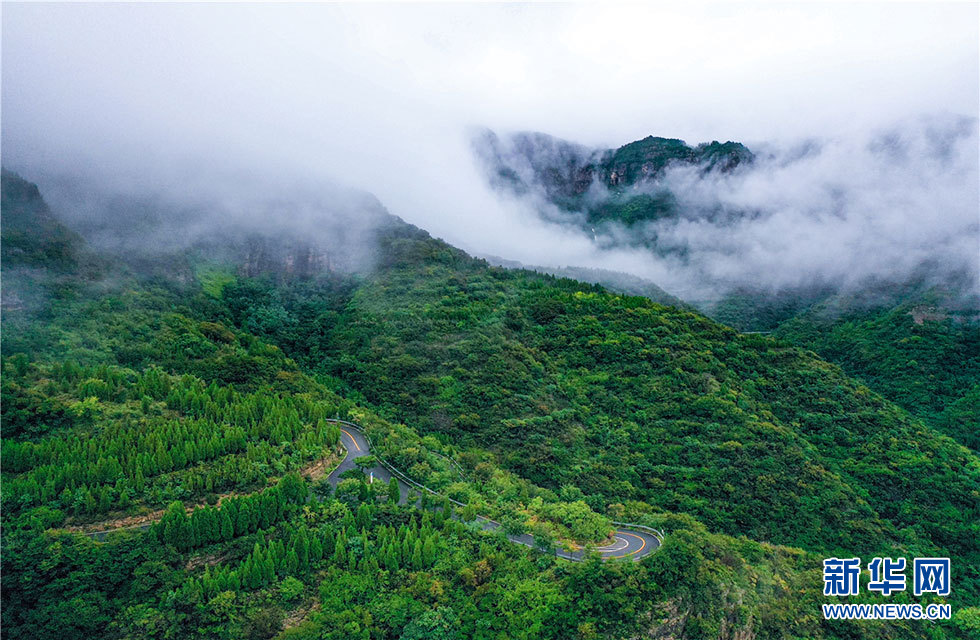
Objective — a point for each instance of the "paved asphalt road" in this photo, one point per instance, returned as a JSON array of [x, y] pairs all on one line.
[[625, 544]]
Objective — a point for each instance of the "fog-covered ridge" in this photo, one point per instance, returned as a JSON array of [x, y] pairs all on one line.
[[896, 204]]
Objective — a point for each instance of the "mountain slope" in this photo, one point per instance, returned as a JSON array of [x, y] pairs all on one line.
[[910, 336], [624, 400], [923, 353], [32, 237], [548, 392]]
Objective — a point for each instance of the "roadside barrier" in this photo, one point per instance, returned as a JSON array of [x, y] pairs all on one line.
[[656, 533]]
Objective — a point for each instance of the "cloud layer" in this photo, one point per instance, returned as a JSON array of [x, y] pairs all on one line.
[[178, 99], [891, 205]]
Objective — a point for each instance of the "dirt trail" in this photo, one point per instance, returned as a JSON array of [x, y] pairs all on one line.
[[298, 615]]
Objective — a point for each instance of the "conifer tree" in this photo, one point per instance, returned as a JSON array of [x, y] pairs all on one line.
[[194, 529], [302, 548], [316, 549], [339, 551], [292, 562], [417, 555], [176, 530], [213, 525], [227, 528], [243, 524], [362, 516], [268, 571], [391, 560], [429, 551], [254, 514]]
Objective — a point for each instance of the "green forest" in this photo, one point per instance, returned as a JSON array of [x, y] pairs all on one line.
[[167, 434]]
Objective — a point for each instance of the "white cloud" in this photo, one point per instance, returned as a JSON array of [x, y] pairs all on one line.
[[379, 96]]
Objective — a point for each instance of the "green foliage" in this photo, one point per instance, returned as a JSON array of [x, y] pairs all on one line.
[[31, 236], [199, 439], [628, 400], [394, 493], [214, 278], [564, 405], [581, 522], [924, 358]]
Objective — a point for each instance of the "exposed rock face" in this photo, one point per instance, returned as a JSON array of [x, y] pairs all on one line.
[[567, 170], [289, 259], [923, 314], [562, 168]]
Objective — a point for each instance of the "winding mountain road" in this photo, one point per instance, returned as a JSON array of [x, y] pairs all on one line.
[[626, 543]]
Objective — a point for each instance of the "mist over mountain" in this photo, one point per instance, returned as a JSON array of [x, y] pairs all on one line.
[[562, 405], [294, 229], [497, 321], [897, 205]]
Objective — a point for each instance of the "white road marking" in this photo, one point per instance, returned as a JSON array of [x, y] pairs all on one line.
[[610, 548]]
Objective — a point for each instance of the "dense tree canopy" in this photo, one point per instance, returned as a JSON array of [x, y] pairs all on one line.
[[190, 408]]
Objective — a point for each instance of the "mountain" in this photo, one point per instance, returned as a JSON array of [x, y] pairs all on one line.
[[32, 237], [551, 405], [911, 336], [569, 175], [617, 281], [920, 349]]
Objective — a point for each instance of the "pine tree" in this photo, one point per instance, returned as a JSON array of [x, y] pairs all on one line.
[[391, 560], [277, 551], [138, 479], [227, 528], [90, 504], [363, 516], [417, 555], [253, 574], [302, 547], [195, 529], [292, 562], [175, 527], [213, 525], [254, 514], [429, 551], [316, 549], [243, 525], [394, 493], [268, 571], [339, 551]]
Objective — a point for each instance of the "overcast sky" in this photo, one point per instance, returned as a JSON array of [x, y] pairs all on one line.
[[380, 96]]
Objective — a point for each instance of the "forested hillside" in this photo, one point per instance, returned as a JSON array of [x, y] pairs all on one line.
[[912, 338], [923, 353], [627, 400], [199, 403]]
